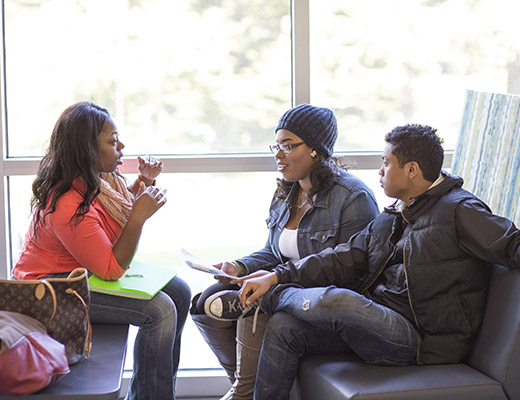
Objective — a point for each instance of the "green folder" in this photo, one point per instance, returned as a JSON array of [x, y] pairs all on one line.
[[140, 281]]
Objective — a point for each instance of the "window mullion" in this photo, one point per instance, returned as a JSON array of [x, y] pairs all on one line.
[[300, 52], [4, 225]]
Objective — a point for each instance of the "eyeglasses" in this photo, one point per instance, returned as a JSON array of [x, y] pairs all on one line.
[[284, 147]]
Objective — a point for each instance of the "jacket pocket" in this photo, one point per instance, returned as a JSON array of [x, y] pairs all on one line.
[[324, 235], [272, 220]]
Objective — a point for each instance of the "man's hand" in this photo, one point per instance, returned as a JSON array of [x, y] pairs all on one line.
[[254, 286]]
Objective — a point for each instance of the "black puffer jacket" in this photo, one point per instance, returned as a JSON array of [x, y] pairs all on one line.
[[447, 251]]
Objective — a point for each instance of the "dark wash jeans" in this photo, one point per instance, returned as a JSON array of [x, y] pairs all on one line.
[[157, 345], [327, 320]]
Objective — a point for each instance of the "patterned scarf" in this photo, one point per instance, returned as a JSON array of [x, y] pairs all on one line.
[[115, 197]]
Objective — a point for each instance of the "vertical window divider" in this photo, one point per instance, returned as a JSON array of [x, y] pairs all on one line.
[[5, 250], [300, 52]]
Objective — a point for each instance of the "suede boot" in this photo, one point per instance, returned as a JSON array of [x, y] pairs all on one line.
[[248, 346]]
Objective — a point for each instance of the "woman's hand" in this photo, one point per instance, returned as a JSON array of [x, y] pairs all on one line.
[[255, 286], [147, 201], [231, 269], [228, 268], [149, 169]]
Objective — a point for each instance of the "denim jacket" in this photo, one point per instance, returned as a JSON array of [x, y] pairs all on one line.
[[336, 215]]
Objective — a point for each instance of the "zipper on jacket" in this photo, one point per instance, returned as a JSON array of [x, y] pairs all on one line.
[[410, 299], [376, 276], [367, 286]]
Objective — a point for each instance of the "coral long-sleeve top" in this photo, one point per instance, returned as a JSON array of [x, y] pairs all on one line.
[[61, 246]]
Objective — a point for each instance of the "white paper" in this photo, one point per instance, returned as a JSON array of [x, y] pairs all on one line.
[[196, 263]]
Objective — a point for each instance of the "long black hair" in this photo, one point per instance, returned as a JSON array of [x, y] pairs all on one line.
[[73, 153]]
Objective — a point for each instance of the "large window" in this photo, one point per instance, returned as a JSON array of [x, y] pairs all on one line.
[[202, 84], [183, 76]]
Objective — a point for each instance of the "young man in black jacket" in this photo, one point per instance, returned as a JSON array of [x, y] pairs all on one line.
[[408, 289]]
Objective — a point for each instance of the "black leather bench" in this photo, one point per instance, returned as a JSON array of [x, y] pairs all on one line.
[[99, 377], [491, 371]]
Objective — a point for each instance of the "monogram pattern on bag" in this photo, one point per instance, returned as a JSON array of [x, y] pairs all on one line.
[[69, 324]]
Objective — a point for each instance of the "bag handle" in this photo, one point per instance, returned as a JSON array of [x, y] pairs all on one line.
[[53, 295], [77, 274], [88, 337]]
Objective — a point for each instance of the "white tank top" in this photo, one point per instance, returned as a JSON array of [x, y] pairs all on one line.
[[289, 245]]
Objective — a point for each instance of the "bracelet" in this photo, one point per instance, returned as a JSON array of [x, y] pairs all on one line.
[[140, 180], [241, 268]]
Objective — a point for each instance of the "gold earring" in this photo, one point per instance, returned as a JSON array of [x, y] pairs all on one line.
[[313, 154]]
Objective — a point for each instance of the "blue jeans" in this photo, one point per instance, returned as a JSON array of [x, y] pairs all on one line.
[[327, 320], [157, 345]]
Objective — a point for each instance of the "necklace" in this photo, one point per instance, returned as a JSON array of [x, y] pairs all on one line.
[[302, 202]]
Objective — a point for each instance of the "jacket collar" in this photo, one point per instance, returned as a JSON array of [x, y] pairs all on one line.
[[320, 199], [426, 200]]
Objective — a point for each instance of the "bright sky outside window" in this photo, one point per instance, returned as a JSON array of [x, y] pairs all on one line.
[[380, 64], [179, 76]]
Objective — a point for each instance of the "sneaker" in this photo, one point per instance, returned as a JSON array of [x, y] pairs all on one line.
[[226, 306], [229, 394]]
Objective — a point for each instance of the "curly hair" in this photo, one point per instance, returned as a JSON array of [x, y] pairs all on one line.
[[323, 175], [419, 143], [73, 153]]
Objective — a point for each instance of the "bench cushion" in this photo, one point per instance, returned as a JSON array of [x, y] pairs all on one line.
[[340, 377], [496, 351], [97, 378], [489, 374]]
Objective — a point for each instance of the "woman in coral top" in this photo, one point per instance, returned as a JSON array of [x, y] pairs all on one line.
[[86, 216]]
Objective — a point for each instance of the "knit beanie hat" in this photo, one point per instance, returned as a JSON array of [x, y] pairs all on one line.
[[316, 126]]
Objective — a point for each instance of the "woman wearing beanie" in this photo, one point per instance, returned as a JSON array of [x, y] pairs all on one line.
[[317, 205]]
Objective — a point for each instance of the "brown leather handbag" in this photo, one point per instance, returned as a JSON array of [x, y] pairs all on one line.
[[60, 304]]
